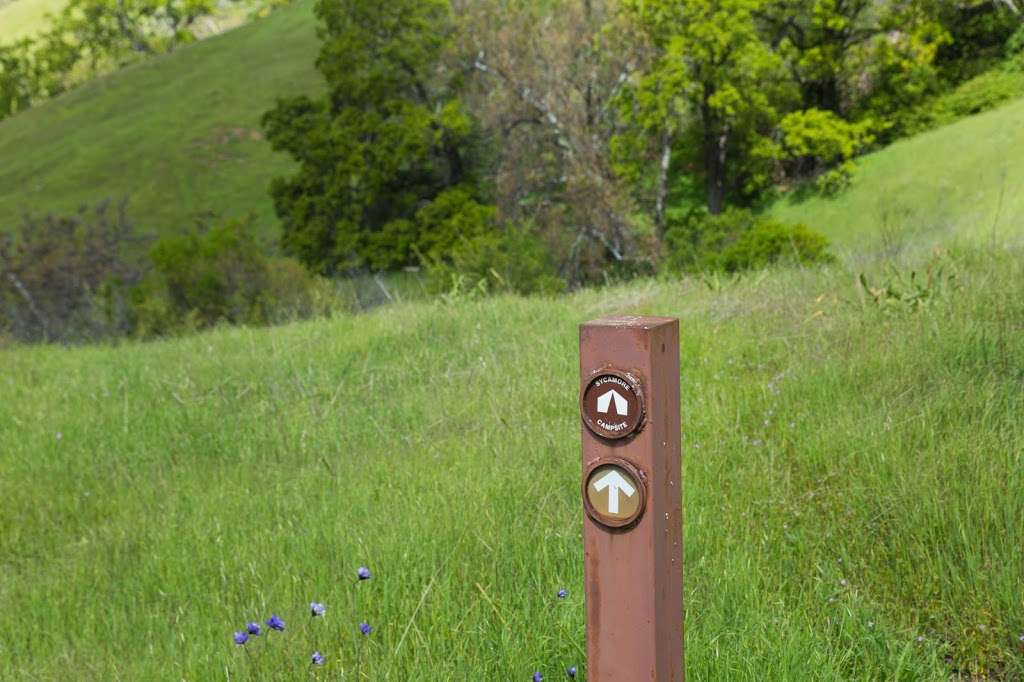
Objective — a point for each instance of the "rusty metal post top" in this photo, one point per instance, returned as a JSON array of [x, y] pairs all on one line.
[[630, 322]]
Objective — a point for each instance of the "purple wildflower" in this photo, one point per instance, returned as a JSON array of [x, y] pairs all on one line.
[[537, 677], [253, 629], [563, 593], [571, 672], [317, 658], [317, 609], [275, 623], [365, 628], [363, 573], [241, 638]]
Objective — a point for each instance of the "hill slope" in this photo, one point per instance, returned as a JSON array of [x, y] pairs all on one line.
[[854, 489], [960, 181], [21, 18], [178, 134]]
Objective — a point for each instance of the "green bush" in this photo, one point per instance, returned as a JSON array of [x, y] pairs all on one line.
[[220, 273], [982, 93], [769, 242], [813, 140], [496, 260], [67, 278], [738, 240], [1015, 45]]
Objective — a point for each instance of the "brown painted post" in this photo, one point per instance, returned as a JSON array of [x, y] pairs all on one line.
[[632, 497]]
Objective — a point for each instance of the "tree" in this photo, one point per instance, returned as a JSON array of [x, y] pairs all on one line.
[[390, 136], [67, 278], [548, 75], [118, 29], [712, 55], [17, 85], [818, 38], [978, 31], [859, 59]]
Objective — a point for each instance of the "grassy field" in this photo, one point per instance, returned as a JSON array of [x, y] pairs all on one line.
[[854, 488], [178, 134], [965, 180]]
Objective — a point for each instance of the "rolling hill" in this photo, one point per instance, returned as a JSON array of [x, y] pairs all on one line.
[[179, 134], [962, 181], [21, 18]]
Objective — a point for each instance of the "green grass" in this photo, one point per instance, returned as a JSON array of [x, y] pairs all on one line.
[[962, 181], [179, 134], [854, 480], [23, 18]]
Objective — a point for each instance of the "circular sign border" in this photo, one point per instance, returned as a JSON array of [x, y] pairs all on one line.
[[634, 383], [641, 485]]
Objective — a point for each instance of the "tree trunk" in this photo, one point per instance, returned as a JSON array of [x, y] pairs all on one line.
[[661, 193], [716, 142], [1012, 6], [456, 168], [715, 145]]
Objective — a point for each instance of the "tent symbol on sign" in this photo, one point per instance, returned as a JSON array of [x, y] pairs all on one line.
[[604, 403]]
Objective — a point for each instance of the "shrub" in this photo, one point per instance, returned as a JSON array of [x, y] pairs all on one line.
[[814, 140], [694, 241], [495, 260], [769, 242], [738, 240], [215, 274], [982, 93], [1015, 45], [67, 278]]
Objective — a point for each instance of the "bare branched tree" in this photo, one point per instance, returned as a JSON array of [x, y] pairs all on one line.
[[547, 79]]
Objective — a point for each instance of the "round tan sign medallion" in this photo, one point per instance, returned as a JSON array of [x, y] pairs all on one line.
[[614, 494], [612, 404]]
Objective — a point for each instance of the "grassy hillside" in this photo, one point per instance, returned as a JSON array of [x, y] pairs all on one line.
[[20, 18], [179, 134], [854, 489], [965, 180]]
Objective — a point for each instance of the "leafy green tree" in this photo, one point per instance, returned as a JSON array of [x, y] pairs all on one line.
[[17, 86], [860, 59], [716, 83], [117, 29], [978, 31], [33, 69], [390, 136], [818, 37]]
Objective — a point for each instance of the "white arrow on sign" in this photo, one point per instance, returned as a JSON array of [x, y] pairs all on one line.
[[614, 481], [604, 402]]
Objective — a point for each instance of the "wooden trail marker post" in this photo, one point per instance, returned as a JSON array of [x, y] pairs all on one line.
[[632, 498]]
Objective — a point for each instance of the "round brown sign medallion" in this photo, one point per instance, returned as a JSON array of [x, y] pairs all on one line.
[[612, 404], [614, 493]]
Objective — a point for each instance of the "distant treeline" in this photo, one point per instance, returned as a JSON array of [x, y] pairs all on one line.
[[512, 145], [598, 137]]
